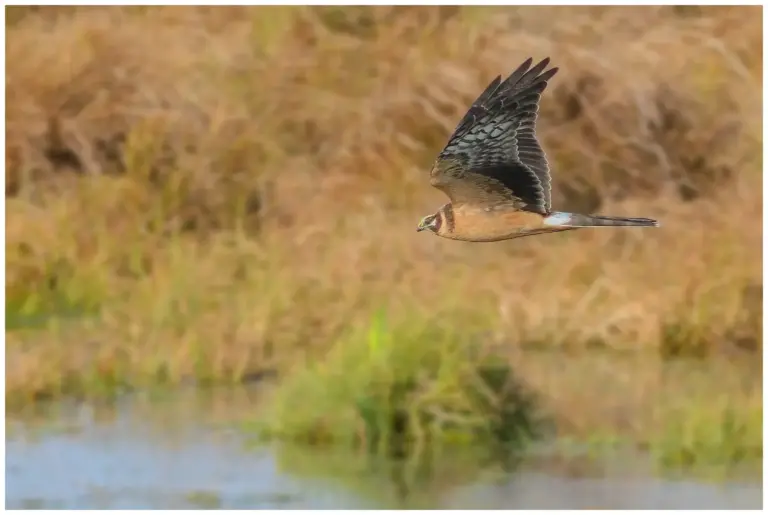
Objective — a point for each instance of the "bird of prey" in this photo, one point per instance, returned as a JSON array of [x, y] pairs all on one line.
[[496, 174]]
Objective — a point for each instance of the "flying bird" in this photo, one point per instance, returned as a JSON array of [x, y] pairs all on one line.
[[495, 172]]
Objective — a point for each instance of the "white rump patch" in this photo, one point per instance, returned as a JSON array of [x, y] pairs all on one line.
[[557, 219]]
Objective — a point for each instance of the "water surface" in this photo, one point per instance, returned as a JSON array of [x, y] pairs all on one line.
[[185, 451]]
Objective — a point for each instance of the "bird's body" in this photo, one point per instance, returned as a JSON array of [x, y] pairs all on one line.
[[472, 223], [495, 172]]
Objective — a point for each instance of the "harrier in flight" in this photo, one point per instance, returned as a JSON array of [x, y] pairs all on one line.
[[496, 174]]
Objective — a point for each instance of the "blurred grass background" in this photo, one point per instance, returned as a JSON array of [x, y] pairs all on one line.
[[202, 194]]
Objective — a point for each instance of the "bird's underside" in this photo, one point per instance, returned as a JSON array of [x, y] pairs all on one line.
[[495, 222], [495, 172]]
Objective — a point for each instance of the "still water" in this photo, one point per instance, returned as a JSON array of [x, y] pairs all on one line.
[[186, 451]]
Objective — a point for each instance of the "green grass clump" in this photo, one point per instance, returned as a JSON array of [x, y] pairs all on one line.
[[400, 389], [711, 437], [203, 500], [37, 309]]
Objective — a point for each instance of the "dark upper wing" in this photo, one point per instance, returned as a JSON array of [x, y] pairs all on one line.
[[493, 155]]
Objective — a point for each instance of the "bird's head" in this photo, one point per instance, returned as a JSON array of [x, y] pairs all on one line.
[[431, 222]]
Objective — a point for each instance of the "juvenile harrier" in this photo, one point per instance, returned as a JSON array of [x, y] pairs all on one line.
[[495, 172]]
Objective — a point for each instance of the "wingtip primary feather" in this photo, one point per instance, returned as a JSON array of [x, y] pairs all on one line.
[[526, 76]]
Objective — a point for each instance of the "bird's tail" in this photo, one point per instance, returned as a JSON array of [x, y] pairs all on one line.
[[560, 219]]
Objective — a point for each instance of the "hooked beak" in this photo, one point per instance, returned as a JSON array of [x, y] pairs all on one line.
[[420, 228]]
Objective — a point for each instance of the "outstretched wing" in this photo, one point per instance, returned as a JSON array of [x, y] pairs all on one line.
[[493, 156]]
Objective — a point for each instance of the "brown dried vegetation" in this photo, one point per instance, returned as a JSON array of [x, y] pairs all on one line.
[[217, 191]]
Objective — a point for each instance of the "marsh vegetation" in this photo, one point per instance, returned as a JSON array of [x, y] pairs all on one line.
[[206, 195]]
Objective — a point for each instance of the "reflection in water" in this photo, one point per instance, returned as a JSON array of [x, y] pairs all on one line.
[[182, 452]]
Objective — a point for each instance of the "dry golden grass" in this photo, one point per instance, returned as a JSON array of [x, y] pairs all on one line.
[[222, 190]]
